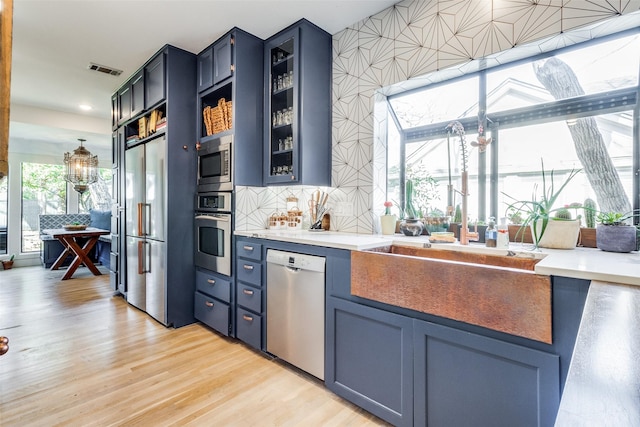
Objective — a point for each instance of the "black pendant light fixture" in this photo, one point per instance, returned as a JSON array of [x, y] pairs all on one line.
[[82, 168]]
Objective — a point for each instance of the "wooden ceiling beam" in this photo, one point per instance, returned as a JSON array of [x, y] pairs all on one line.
[[6, 36]]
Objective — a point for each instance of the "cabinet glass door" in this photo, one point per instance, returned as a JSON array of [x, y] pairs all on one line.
[[282, 114]]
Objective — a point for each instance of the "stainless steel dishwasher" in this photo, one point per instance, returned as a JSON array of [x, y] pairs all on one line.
[[295, 309]]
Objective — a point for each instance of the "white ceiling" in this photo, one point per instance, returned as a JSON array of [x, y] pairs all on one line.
[[55, 40]]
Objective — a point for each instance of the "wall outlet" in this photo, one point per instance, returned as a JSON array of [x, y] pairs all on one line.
[[343, 209]]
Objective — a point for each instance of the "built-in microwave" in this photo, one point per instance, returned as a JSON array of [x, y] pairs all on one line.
[[215, 164]]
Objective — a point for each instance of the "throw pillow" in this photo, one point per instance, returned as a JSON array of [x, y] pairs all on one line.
[[100, 219]]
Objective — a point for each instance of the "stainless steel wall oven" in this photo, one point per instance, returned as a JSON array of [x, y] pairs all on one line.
[[213, 229]]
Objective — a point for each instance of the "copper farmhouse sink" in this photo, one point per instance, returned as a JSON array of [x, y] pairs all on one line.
[[498, 292]]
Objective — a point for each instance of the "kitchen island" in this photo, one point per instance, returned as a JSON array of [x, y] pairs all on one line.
[[349, 318]]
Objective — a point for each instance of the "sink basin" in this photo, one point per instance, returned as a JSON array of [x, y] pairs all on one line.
[[498, 292]]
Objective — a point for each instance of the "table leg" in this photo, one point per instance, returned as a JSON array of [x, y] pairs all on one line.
[[65, 253], [81, 256]]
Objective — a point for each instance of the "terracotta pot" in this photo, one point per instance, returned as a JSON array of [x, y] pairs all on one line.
[[7, 265]]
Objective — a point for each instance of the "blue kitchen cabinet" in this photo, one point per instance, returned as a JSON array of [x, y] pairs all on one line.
[[213, 303], [250, 293], [297, 125], [215, 63], [462, 378], [154, 81], [229, 79], [165, 83], [369, 359]]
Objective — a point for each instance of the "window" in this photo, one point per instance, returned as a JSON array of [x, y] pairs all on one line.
[[44, 191], [3, 215], [573, 109], [98, 196]]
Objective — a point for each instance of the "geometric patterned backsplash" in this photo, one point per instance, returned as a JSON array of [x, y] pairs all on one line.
[[411, 44]]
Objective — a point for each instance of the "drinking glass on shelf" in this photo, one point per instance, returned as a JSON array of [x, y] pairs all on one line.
[[281, 145], [275, 119], [280, 118], [289, 115], [280, 83], [290, 78]]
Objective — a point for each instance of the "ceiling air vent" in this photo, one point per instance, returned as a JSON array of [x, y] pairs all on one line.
[[104, 69]]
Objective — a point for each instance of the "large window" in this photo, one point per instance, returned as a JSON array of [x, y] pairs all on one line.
[[44, 191], [3, 215], [573, 109]]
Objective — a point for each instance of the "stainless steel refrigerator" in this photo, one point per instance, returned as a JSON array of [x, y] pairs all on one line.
[[145, 207]]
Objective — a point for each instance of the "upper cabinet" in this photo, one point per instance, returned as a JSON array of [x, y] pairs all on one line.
[[297, 131], [230, 99], [154, 81], [215, 63], [143, 91]]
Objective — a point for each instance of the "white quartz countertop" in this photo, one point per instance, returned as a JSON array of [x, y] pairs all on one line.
[[580, 263]]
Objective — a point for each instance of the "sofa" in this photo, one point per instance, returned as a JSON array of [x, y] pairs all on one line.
[[51, 248]]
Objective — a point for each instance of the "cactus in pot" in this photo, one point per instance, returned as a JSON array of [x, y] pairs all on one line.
[[411, 225], [589, 207], [563, 213]]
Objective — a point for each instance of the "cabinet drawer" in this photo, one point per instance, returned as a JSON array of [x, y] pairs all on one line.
[[249, 250], [249, 272], [213, 285], [212, 313], [249, 297], [249, 328]]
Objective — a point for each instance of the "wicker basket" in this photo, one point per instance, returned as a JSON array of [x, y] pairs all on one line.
[[218, 119]]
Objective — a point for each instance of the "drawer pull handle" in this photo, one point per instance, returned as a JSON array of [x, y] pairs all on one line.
[[247, 318], [247, 291], [248, 267], [211, 281], [247, 248], [208, 303]]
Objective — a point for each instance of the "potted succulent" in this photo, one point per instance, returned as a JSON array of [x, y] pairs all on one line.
[[614, 233], [551, 227], [588, 232], [411, 225], [388, 220], [9, 263]]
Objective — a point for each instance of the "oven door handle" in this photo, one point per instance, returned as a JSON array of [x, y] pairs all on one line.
[[214, 217]]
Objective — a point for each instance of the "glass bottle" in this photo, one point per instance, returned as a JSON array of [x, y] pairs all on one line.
[[491, 234]]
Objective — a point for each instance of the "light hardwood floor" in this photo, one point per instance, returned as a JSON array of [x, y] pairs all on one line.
[[81, 356]]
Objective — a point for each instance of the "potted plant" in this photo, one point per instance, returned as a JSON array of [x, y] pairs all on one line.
[[588, 232], [411, 225], [614, 233], [550, 227], [388, 220], [9, 263]]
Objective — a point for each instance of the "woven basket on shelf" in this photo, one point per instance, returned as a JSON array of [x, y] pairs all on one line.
[[218, 119]]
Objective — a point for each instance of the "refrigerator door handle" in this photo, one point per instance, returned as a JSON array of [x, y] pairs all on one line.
[[141, 259], [141, 230], [147, 218]]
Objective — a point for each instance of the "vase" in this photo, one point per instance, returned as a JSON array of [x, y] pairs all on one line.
[[388, 224], [411, 227], [559, 234], [616, 238]]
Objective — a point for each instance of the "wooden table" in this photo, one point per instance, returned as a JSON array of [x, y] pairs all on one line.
[[71, 245]]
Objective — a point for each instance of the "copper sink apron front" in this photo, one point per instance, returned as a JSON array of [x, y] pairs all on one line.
[[504, 299]]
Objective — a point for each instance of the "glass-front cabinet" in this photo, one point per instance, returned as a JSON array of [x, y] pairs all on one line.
[[283, 68], [297, 106]]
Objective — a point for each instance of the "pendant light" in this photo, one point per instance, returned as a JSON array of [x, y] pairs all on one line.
[[82, 168]]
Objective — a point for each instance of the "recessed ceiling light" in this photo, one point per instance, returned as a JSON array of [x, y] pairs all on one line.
[[85, 107]]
